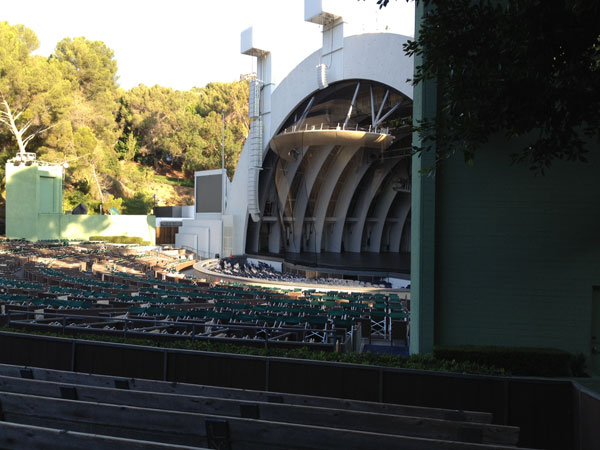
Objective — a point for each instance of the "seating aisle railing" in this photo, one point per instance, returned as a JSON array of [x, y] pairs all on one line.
[[184, 324]]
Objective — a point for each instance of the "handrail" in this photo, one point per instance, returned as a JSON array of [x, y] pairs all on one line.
[[200, 254], [329, 127], [268, 332]]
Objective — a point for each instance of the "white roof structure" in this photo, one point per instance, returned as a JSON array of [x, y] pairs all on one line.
[[326, 167]]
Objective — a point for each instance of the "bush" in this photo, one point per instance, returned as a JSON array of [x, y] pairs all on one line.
[[416, 362], [141, 203], [542, 362], [73, 197], [120, 239], [454, 358], [111, 202]]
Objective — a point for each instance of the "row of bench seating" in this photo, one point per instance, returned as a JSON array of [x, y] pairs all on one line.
[[107, 412]]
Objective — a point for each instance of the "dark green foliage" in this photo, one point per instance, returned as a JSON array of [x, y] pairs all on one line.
[[522, 69], [184, 128], [120, 239], [543, 362], [74, 197], [89, 64], [140, 203], [480, 360], [416, 362], [126, 147]]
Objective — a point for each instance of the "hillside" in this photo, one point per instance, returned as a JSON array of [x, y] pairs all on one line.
[[170, 186], [121, 147]]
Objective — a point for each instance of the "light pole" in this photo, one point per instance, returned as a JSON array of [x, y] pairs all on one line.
[[223, 185]]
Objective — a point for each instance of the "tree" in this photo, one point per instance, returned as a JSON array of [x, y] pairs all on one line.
[[88, 142], [32, 92], [140, 203], [156, 116], [92, 70], [69, 108], [127, 145], [525, 69], [186, 127], [232, 98], [10, 118], [88, 64]]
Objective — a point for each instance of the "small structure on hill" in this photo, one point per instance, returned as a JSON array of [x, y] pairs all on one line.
[[34, 194]]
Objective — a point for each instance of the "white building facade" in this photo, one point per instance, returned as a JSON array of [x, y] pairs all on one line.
[[326, 166]]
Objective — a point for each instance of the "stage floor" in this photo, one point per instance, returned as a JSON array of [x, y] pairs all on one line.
[[389, 263]]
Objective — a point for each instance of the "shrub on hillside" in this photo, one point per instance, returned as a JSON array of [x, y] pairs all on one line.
[[141, 203]]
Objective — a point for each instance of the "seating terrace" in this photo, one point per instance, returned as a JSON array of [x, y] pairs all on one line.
[[101, 288]]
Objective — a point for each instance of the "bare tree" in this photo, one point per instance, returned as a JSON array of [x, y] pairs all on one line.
[[25, 133]]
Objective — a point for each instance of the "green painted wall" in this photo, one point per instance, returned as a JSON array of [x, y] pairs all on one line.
[[34, 210], [516, 255], [422, 223], [501, 256], [32, 190], [82, 227], [21, 189]]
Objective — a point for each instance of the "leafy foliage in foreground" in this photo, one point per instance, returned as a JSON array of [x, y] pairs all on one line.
[[525, 69], [542, 362]]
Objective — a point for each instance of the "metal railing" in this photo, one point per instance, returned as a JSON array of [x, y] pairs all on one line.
[[338, 127], [193, 329]]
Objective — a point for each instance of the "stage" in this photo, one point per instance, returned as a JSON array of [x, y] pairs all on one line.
[[358, 264]]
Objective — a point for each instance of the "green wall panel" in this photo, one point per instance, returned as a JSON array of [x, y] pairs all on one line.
[[21, 201], [47, 203], [423, 202], [84, 226], [517, 254]]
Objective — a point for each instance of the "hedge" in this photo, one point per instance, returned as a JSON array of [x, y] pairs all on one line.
[[418, 362], [120, 239], [542, 362], [503, 361]]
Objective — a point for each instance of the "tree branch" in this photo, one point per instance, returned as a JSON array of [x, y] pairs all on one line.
[[19, 114], [26, 127], [27, 140], [23, 110], [36, 133], [46, 129]]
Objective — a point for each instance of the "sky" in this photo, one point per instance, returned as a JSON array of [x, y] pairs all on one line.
[[177, 43]]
